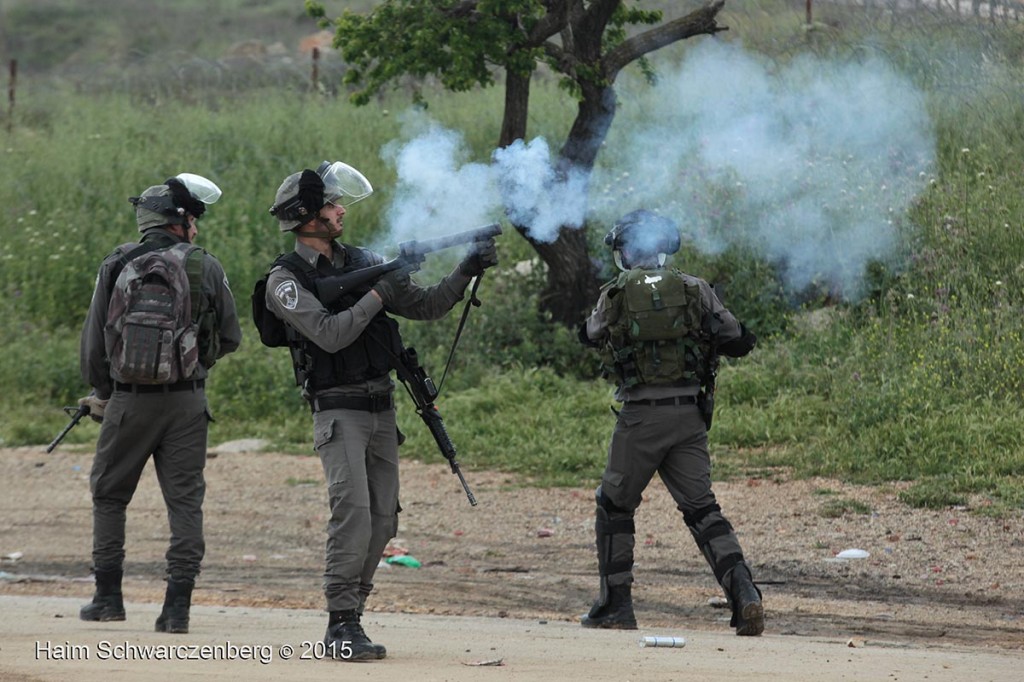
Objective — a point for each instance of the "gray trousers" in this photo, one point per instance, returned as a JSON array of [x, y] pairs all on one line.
[[170, 427], [359, 453], [669, 440]]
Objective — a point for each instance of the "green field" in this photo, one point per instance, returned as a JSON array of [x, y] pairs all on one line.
[[919, 378]]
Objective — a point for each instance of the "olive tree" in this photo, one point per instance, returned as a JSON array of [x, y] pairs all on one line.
[[471, 43]]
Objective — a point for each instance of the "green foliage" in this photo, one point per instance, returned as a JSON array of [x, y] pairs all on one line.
[[920, 382], [407, 37], [553, 430]]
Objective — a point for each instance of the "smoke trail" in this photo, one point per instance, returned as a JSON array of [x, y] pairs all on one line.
[[439, 191], [810, 165], [535, 195]]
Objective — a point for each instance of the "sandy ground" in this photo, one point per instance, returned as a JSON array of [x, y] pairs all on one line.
[[940, 596], [44, 640]]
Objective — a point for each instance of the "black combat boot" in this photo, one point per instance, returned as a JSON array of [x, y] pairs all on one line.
[[745, 600], [107, 604], [346, 641], [616, 613], [177, 602]]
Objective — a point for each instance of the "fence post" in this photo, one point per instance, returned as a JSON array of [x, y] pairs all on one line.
[[10, 94], [315, 77], [809, 12]]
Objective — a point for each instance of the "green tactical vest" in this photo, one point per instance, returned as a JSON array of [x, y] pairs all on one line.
[[655, 329]]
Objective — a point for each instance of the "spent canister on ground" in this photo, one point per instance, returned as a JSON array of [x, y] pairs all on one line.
[[676, 642]]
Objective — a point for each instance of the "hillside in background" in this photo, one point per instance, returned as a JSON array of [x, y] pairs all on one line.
[[83, 37]]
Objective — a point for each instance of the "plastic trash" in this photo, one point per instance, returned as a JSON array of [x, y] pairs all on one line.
[[404, 560], [853, 554], [673, 642]]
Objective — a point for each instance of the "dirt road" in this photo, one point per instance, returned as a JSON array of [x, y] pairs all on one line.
[[941, 593], [44, 640]]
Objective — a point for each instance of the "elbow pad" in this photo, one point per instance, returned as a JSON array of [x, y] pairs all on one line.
[[738, 347]]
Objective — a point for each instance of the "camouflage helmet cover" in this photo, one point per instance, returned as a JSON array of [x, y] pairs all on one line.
[[169, 203]]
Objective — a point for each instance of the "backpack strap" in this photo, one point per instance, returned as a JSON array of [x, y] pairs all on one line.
[[126, 257], [194, 270]]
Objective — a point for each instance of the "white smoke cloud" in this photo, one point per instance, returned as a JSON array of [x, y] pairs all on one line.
[[534, 194], [439, 191], [809, 165]]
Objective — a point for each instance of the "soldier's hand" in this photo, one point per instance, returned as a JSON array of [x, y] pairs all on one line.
[[484, 256], [390, 286], [96, 406]]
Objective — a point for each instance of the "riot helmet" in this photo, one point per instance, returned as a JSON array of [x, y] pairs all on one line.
[[642, 238], [170, 203], [301, 196], [298, 200], [343, 184]]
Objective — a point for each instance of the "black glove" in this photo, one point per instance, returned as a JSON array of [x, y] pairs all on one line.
[[393, 283], [484, 256]]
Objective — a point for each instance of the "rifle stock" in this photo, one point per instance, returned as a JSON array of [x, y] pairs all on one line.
[[330, 289]]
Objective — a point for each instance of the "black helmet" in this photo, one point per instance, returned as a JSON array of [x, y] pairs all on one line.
[[299, 198], [642, 235]]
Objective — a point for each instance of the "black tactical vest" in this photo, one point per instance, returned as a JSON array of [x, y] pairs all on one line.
[[365, 358]]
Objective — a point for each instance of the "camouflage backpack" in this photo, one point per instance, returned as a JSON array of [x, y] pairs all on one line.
[[150, 334], [656, 329]]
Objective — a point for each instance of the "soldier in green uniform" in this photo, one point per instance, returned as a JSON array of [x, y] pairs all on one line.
[[659, 330], [167, 421], [345, 351]]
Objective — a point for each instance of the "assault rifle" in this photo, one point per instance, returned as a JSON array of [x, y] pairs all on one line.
[[76, 416], [330, 289], [706, 398], [423, 392]]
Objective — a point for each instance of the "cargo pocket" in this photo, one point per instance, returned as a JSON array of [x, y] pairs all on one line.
[[323, 433]]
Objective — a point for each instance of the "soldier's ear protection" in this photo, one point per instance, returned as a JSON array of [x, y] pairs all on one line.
[[307, 202]]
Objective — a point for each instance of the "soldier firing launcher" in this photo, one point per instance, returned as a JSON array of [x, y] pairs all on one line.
[[330, 289]]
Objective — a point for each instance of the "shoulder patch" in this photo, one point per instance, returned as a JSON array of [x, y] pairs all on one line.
[[287, 293]]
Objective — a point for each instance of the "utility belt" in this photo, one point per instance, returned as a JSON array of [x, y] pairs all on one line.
[[160, 388], [661, 402], [375, 402]]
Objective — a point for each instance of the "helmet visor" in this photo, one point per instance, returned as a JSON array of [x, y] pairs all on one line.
[[343, 184], [201, 188]]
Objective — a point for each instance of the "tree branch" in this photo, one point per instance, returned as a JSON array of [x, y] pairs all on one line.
[[697, 22], [461, 10], [553, 21]]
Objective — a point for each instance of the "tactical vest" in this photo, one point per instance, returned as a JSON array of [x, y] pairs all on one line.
[[656, 330], [365, 358]]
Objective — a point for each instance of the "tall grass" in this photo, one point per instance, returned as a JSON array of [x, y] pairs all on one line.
[[921, 381]]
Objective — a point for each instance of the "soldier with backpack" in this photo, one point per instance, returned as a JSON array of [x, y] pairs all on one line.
[[161, 315], [659, 331], [343, 353]]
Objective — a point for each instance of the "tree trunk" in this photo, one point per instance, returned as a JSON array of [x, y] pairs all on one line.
[[572, 285], [517, 105]]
